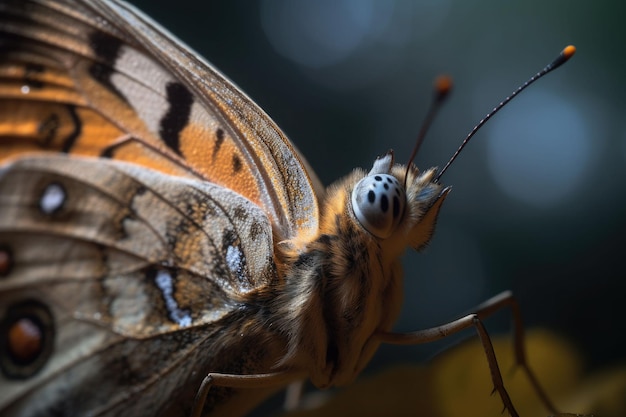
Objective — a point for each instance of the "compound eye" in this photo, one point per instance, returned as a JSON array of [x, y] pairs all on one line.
[[378, 202]]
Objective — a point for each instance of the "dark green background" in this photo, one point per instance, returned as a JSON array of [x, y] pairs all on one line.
[[563, 261]]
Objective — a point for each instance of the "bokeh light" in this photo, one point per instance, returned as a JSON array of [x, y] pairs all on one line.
[[539, 153]]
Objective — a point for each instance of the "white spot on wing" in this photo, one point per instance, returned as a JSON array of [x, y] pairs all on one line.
[[234, 260], [165, 283], [52, 198], [146, 92]]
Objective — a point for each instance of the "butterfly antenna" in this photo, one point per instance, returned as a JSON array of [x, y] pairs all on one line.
[[563, 57], [443, 85]]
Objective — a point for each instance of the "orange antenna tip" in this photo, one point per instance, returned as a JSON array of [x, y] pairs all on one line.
[[443, 85], [563, 57], [569, 51]]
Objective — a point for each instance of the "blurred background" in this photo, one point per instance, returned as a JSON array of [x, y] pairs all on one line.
[[539, 198]]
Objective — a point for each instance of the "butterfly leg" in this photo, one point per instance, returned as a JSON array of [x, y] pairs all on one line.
[[274, 379], [475, 320], [293, 395], [497, 303]]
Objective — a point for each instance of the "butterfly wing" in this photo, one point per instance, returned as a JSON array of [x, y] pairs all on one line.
[[100, 78], [138, 273], [135, 312]]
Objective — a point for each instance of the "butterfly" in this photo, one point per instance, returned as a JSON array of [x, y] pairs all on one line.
[[164, 248]]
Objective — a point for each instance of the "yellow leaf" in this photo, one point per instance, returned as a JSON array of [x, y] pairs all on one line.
[[457, 384]]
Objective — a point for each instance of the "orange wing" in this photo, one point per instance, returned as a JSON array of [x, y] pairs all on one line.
[[99, 78]]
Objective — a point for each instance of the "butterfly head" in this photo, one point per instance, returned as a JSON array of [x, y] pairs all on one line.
[[385, 208]]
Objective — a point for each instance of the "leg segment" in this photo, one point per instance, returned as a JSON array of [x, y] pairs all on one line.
[[275, 379], [474, 320]]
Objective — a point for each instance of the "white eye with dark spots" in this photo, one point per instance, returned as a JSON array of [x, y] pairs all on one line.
[[378, 202]]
